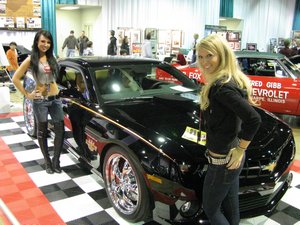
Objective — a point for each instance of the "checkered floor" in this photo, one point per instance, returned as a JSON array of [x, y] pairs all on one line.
[[77, 196]]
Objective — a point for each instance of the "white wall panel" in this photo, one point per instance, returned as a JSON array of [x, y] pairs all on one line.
[[264, 19]]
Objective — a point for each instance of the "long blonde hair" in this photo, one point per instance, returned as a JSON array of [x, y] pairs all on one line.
[[227, 70]]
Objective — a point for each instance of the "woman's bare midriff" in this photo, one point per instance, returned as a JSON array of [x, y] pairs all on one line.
[[42, 88]]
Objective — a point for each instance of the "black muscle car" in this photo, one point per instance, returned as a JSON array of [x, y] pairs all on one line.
[[141, 135]]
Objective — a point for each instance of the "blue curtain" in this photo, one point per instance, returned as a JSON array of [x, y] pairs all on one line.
[[226, 8], [49, 19], [48, 8], [296, 23]]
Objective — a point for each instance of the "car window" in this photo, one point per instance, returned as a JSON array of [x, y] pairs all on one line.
[[71, 78], [261, 67], [127, 81], [294, 70]]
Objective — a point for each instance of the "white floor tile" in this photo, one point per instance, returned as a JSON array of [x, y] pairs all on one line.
[[76, 207], [112, 212], [18, 118], [290, 195], [41, 178], [29, 155], [9, 126], [87, 183], [259, 220], [296, 179], [67, 160], [13, 139]]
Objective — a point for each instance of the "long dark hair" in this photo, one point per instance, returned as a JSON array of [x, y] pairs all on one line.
[[35, 54]]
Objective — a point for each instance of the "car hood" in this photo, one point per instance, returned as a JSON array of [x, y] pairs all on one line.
[[162, 120]]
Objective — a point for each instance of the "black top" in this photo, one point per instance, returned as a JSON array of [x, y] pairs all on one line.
[[112, 46], [229, 117], [125, 46]]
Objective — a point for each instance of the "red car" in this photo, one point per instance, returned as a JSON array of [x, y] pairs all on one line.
[[275, 80]]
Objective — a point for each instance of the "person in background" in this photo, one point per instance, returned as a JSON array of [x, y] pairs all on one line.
[[112, 46], [297, 47], [196, 36], [181, 59], [82, 41], [287, 51], [123, 52], [125, 46], [88, 51], [147, 48], [12, 57], [44, 68], [231, 123], [71, 44]]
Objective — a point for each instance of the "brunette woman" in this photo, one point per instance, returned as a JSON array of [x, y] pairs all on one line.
[[45, 98]]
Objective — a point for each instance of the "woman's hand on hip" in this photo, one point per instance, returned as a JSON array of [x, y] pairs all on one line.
[[236, 156]]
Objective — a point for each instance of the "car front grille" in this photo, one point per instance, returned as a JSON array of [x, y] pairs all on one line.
[[262, 167], [254, 202]]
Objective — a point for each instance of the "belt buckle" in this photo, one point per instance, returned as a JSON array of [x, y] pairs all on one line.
[[208, 156]]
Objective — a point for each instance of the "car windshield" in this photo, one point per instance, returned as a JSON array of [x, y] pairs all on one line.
[[117, 83], [291, 67]]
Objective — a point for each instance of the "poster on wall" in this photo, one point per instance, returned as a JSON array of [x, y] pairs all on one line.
[[34, 23], [176, 39], [135, 36], [2, 9], [36, 2], [36, 11], [20, 15], [152, 31], [20, 22], [10, 22], [120, 36], [136, 48], [2, 21], [165, 37], [237, 45]]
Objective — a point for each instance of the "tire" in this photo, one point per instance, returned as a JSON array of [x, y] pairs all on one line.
[[124, 181], [30, 121]]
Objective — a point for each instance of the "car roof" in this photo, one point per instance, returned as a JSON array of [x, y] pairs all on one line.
[[96, 61], [255, 54]]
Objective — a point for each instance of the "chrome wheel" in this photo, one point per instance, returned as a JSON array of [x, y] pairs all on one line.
[[122, 184]]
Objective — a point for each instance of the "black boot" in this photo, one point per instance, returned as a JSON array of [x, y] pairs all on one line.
[[59, 131], [42, 139]]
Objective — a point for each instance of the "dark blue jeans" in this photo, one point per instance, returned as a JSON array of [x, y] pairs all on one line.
[[220, 190], [42, 107]]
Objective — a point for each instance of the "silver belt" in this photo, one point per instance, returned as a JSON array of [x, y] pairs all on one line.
[[217, 160]]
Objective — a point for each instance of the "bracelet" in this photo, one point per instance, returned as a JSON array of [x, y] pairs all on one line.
[[239, 147]]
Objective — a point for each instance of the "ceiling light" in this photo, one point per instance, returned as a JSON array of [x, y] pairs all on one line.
[[69, 8]]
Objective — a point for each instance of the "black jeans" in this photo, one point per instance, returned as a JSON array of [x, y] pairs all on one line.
[[220, 191]]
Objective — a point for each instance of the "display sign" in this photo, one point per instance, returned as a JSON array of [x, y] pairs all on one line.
[[20, 15]]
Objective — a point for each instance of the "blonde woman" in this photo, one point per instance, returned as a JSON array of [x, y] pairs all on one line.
[[231, 123]]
